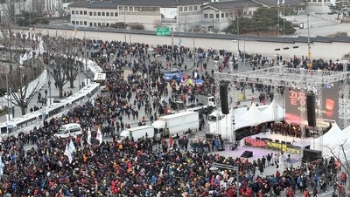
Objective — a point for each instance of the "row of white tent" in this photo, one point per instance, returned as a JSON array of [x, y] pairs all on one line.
[[255, 116], [335, 142]]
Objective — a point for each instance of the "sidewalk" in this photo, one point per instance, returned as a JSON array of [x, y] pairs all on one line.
[[54, 95]]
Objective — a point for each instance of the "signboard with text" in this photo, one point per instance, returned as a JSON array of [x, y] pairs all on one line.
[[326, 104], [163, 31]]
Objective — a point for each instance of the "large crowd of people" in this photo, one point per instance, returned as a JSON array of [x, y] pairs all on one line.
[[34, 162]]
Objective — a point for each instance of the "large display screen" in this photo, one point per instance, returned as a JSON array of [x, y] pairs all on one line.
[[327, 108]]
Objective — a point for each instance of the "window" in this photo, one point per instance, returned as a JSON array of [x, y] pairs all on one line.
[[226, 15], [90, 13], [121, 8], [116, 14], [73, 22], [81, 12], [222, 15], [85, 23], [107, 13], [217, 15], [125, 8], [76, 12], [205, 15], [85, 12], [72, 12], [112, 14], [185, 9], [190, 8], [94, 13], [103, 13], [81, 23], [211, 15], [131, 8], [90, 24], [180, 9], [195, 7], [99, 24], [94, 24]]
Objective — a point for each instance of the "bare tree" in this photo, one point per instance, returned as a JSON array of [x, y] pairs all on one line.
[[342, 154], [62, 61]]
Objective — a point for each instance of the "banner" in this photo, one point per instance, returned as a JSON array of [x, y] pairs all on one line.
[[258, 143], [326, 105]]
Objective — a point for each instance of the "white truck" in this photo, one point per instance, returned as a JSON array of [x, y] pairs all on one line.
[[176, 124], [137, 133]]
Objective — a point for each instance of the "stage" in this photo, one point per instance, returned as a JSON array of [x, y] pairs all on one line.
[[276, 142]]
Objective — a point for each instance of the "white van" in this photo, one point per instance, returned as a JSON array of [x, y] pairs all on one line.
[[72, 129]]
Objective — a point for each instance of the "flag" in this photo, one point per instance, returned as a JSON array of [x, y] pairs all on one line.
[[89, 136], [283, 1], [278, 2], [71, 146], [180, 41], [99, 135], [68, 154], [1, 167]]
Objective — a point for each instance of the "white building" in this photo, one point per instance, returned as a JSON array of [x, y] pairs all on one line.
[[181, 15], [150, 13]]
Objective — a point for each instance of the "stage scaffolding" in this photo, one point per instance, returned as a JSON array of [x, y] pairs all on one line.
[[304, 79]]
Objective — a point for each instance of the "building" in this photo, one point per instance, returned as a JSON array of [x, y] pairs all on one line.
[[180, 15], [150, 13], [219, 15]]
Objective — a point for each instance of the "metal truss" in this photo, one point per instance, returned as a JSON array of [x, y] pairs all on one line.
[[281, 76], [309, 80]]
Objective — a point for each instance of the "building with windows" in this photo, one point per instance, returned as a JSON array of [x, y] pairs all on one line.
[[149, 13], [181, 15]]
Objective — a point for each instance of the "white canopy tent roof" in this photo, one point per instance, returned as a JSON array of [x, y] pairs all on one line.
[[347, 131], [274, 112], [252, 117], [331, 143]]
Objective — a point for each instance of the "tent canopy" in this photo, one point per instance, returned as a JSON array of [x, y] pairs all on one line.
[[332, 142], [252, 117], [274, 112]]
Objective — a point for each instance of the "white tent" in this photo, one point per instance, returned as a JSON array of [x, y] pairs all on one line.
[[274, 111], [347, 131], [331, 143], [251, 118]]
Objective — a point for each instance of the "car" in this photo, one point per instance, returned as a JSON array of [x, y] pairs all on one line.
[[69, 130]]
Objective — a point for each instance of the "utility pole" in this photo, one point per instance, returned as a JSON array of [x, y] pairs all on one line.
[[237, 19], [308, 41], [124, 25], [172, 43]]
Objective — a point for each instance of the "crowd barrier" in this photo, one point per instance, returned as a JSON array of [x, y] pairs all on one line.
[[35, 119]]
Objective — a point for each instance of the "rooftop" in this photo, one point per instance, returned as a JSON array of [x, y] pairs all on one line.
[[115, 3]]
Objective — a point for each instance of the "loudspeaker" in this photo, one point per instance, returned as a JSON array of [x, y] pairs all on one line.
[[224, 99], [311, 155], [247, 154], [310, 108]]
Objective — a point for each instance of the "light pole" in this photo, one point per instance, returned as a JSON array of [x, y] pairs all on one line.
[[244, 53], [124, 25], [308, 41], [237, 19], [278, 18]]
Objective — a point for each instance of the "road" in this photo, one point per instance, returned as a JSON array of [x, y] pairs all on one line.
[[54, 95]]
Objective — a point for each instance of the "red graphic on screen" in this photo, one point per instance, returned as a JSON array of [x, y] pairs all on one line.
[[327, 107]]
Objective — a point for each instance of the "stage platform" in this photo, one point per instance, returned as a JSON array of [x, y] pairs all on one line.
[[278, 142], [298, 142]]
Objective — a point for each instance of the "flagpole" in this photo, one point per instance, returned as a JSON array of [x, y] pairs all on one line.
[[278, 17]]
